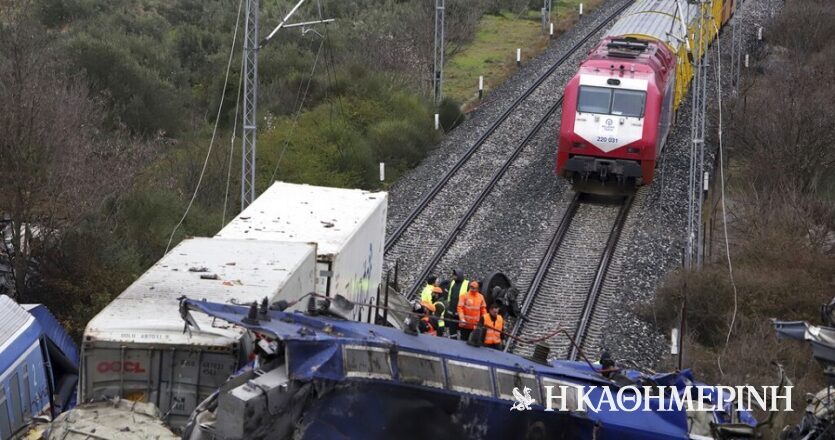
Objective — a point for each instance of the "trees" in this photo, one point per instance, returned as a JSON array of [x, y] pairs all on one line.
[[57, 166], [780, 168]]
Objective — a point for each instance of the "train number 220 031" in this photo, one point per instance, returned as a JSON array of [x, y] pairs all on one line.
[[610, 140]]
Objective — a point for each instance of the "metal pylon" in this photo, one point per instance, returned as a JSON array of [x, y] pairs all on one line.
[[695, 199], [438, 71], [250, 99]]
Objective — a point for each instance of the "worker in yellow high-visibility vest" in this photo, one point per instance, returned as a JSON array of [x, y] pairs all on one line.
[[458, 286], [426, 293]]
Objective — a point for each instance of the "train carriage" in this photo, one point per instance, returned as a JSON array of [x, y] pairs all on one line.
[[619, 107], [38, 366]]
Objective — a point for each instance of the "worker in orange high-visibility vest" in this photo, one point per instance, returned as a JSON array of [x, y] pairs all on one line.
[[425, 326], [493, 327], [470, 309]]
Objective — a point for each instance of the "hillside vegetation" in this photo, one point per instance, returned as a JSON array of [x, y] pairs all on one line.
[[108, 109], [781, 214]]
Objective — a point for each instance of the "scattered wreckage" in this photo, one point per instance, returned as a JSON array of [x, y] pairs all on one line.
[[317, 376], [818, 421]]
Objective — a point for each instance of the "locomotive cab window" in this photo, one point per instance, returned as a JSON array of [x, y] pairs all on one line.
[[594, 99], [628, 103], [611, 101]]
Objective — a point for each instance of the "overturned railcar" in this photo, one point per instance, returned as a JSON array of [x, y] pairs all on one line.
[[317, 377], [38, 366]]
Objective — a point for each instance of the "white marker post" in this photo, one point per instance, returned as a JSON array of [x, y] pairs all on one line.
[[746, 60], [760, 34], [551, 33], [706, 181], [437, 121], [581, 10], [518, 57], [382, 171], [480, 87], [674, 342]]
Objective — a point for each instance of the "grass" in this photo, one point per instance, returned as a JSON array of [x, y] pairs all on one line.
[[492, 53]]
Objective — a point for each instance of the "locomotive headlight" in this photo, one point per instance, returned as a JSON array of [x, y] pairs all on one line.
[[633, 150], [578, 145]]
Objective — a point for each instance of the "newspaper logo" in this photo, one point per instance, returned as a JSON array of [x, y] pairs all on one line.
[[661, 398], [523, 402]]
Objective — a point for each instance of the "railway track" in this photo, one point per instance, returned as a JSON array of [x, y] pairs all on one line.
[[569, 278], [428, 198]]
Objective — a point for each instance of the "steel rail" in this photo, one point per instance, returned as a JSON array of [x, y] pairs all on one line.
[[600, 275], [462, 222], [544, 265], [439, 185]]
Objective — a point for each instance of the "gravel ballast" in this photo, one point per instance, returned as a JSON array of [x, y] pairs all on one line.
[[511, 230]]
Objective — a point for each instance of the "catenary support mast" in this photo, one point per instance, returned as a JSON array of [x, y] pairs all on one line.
[[693, 252], [438, 72], [252, 45]]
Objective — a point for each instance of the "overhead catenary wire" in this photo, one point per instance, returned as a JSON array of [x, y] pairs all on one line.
[[298, 111], [214, 130], [232, 145], [722, 200]]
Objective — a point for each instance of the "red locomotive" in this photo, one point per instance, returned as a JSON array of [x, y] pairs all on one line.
[[619, 107]]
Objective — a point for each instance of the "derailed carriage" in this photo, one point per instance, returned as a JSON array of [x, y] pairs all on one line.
[[319, 377]]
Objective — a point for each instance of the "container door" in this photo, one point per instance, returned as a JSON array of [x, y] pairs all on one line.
[[26, 395], [190, 376], [14, 398], [132, 373], [5, 421]]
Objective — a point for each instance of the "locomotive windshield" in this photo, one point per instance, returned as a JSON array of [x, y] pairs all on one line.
[[610, 101], [594, 99], [628, 103]]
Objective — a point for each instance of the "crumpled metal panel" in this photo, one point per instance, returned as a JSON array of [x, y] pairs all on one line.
[[54, 331], [821, 338]]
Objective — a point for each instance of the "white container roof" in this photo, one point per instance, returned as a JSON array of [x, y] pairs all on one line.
[[657, 19], [14, 319], [294, 212], [147, 311]]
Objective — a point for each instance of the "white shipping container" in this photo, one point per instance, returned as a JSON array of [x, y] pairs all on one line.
[[347, 225], [136, 347]]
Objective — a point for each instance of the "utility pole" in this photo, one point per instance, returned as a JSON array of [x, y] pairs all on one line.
[[252, 45], [438, 72]]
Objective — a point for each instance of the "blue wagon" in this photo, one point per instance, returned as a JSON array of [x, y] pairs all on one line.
[[38, 366]]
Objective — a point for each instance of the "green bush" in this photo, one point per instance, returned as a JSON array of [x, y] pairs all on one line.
[[138, 97], [450, 114]]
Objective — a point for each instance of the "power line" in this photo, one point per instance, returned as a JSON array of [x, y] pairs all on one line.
[[298, 112], [724, 213], [232, 145], [214, 130]]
